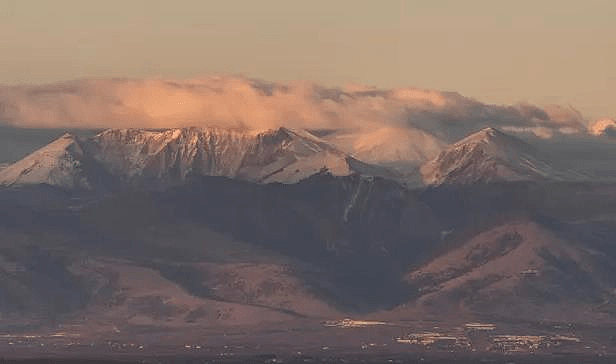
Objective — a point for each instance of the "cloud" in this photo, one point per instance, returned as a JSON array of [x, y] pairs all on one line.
[[605, 126], [234, 101], [610, 132], [541, 132]]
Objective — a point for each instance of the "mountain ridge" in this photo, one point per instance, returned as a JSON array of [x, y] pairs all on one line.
[[155, 158]]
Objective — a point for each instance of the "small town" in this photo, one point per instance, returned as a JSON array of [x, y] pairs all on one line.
[[483, 337]]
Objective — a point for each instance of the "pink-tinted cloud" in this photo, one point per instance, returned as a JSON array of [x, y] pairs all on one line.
[[233, 101]]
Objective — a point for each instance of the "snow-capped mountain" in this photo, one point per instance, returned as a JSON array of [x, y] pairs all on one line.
[[159, 158], [486, 156], [58, 163]]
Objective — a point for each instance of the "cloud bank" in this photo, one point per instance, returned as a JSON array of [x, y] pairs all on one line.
[[235, 101]]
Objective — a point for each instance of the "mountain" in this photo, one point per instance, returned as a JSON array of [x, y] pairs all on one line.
[[488, 155], [518, 269], [162, 158], [61, 163]]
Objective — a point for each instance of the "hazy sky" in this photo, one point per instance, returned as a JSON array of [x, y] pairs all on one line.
[[540, 51]]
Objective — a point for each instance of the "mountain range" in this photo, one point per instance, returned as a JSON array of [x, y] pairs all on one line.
[[214, 228], [162, 158]]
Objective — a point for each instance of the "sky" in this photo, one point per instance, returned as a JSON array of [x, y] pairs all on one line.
[[500, 52]]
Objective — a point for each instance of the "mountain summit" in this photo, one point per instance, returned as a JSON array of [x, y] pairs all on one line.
[[486, 156]]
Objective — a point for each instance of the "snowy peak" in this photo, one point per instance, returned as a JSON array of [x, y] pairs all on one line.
[[484, 136], [58, 163], [486, 156], [496, 143]]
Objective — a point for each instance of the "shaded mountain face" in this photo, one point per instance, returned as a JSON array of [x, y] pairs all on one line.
[[488, 155], [325, 240], [352, 228], [160, 158], [220, 251]]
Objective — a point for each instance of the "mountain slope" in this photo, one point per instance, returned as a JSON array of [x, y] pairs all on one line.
[[519, 269], [325, 247], [488, 155], [59, 163]]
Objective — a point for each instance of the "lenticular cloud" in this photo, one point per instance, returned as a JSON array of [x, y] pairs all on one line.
[[234, 101]]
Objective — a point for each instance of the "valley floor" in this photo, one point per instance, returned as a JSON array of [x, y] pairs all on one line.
[[361, 341]]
